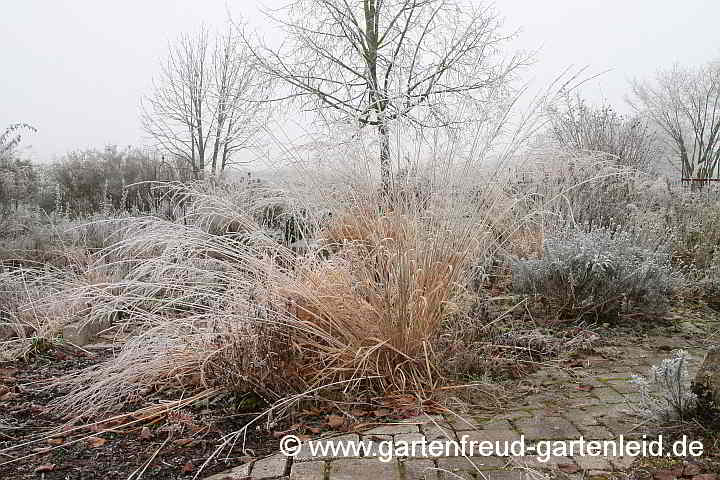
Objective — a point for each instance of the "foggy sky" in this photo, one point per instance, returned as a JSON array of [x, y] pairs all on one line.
[[76, 69]]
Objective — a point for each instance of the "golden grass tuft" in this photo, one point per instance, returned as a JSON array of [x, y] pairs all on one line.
[[382, 297]]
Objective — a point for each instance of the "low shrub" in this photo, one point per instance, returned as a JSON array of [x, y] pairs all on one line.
[[665, 394], [596, 273], [695, 233]]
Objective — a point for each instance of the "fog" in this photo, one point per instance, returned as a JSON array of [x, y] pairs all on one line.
[[76, 69]]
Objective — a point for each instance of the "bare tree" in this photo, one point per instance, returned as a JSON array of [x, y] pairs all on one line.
[[685, 104], [428, 62], [10, 139], [17, 176], [579, 126], [208, 102]]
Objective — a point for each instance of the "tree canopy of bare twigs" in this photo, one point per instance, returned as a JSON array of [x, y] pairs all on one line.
[[685, 105], [17, 176], [11, 137], [578, 126], [207, 103], [430, 63]]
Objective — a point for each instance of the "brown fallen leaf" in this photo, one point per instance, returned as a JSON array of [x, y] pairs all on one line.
[[677, 470], [315, 430], [664, 475], [9, 396], [187, 468], [55, 441], [568, 468], [382, 412], [96, 442], [145, 433], [585, 388], [409, 413], [359, 412], [692, 469], [48, 467], [362, 425], [336, 421], [183, 442]]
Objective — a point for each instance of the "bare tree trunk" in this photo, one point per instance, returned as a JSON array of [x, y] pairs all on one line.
[[216, 150], [384, 133], [224, 158]]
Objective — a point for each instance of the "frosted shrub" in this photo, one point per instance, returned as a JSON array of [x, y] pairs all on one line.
[[597, 273], [665, 394], [695, 232]]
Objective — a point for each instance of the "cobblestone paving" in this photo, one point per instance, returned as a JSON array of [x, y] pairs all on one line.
[[592, 401]]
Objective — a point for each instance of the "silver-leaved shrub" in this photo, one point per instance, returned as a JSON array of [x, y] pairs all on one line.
[[599, 273], [666, 394]]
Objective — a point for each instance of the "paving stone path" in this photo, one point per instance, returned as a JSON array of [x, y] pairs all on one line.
[[592, 401]]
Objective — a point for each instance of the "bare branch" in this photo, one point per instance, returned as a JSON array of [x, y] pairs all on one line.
[[208, 103], [685, 105], [375, 62]]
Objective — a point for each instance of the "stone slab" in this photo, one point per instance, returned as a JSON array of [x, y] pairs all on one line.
[[305, 452], [547, 428], [270, 467], [308, 471], [418, 470], [392, 429], [593, 463], [363, 468], [480, 423]]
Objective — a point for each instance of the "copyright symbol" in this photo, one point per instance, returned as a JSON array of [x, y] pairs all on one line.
[[289, 445]]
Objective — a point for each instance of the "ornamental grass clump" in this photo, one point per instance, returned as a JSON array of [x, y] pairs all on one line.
[[245, 312]]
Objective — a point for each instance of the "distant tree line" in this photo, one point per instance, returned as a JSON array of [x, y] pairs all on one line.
[[119, 179], [84, 181]]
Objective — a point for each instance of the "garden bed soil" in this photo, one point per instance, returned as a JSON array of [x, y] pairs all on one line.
[[179, 444]]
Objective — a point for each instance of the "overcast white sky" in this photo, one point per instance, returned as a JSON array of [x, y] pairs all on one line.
[[76, 69]]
